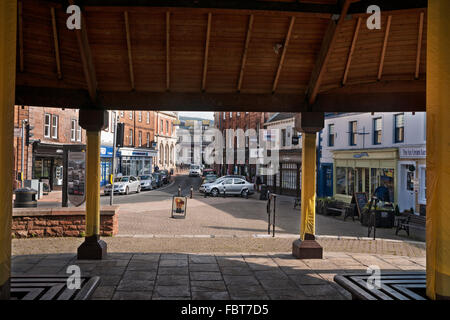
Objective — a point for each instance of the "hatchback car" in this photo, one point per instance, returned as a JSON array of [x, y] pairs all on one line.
[[124, 185], [195, 171], [147, 182], [231, 186]]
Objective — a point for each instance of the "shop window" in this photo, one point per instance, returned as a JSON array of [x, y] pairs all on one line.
[[47, 125], [352, 132], [359, 179], [331, 135], [350, 181], [341, 181], [399, 135], [377, 131], [367, 180], [423, 185]]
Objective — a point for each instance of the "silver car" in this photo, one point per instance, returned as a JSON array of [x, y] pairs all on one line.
[[124, 185], [231, 186], [147, 182]]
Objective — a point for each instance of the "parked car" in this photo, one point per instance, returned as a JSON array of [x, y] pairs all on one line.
[[209, 178], [165, 176], [157, 177], [195, 171], [207, 172], [124, 185], [233, 186], [147, 182]]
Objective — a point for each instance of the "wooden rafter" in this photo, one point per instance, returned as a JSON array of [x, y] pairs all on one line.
[[167, 50], [56, 43], [352, 50], [86, 58], [20, 35], [205, 64], [130, 55], [419, 46], [244, 55], [283, 55], [383, 51], [326, 49]]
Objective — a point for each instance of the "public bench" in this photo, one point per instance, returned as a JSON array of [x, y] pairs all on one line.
[[391, 286], [338, 207], [411, 221]]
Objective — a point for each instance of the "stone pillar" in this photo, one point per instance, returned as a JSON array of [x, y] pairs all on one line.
[[438, 150], [8, 23], [93, 121], [309, 123]]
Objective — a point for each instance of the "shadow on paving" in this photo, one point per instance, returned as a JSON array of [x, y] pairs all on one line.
[[167, 276]]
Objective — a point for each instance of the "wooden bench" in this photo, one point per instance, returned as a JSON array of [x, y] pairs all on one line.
[[411, 221], [338, 206], [392, 286]]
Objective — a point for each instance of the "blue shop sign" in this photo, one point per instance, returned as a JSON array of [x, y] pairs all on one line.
[[106, 152]]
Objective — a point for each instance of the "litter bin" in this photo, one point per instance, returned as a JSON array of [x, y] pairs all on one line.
[[25, 198], [263, 192]]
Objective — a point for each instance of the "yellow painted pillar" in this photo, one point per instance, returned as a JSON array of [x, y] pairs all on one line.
[[308, 214], [93, 183], [8, 22], [93, 120], [438, 150]]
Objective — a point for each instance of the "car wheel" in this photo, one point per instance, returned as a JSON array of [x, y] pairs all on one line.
[[138, 189], [127, 191], [215, 192], [244, 193]]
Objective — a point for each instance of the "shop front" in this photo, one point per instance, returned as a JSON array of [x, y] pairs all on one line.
[[136, 162], [364, 171], [106, 156], [48, 165], [287, 180]]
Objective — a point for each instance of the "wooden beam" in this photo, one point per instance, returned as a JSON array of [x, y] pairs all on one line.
[[167, 50], [244, 55], [352, 50], [326, 49], [86, 58], [283, 55], [383, 50], [419, 46], [130, 56], [56, 43], [20, 34], [205, 64], [382, 96]]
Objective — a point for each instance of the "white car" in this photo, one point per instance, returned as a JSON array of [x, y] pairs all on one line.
[[124, 185], [195, 171]]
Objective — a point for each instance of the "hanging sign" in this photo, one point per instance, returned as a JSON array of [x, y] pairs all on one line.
[[76, 173]]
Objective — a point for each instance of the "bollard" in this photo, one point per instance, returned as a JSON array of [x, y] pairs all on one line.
[[192, 190], [179, 190], [224, 191], [274, 210]]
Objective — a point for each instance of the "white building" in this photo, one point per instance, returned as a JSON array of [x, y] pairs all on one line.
[[166, 139], [365, 150]]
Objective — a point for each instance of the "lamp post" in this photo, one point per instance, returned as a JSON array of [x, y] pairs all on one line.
[[113, 169]]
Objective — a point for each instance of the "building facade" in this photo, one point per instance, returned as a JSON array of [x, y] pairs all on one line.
[[52, 129], [165, 139], [363, 151]]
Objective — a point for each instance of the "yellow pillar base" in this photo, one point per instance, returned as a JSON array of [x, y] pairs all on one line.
[[438, 150]]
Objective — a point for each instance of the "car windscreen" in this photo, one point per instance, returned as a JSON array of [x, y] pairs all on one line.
[[145, 177], [195, 167], [121, 179]]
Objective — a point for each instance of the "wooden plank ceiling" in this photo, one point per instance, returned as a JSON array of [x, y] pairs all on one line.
[[311, 55]]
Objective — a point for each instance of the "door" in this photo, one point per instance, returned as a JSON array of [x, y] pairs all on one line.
[[237, 186], [407, 197], [228, 185]]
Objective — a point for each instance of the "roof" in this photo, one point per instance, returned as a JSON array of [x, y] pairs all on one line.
[[280, 116], [221, 55]]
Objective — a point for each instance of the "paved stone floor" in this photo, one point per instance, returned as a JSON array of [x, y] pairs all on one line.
[[139, 268]]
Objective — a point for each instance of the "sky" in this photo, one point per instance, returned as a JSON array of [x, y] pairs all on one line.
[[205, 115]]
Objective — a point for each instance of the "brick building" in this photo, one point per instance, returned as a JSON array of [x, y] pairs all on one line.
[[244, 121], [53, 128]]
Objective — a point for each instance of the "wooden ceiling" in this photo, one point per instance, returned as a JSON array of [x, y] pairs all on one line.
[[292, 56]]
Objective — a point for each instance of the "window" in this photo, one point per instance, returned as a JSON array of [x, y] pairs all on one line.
[[73, 130], [161, 129], [353, 127], [231, 115], [140, 138], [47, 125], [140, 116], [224, 116], [238, 114], [79, 134], [148, 140], [113, 121], [283, 137], [54, 127], [377, 130], [399, 123], [130, 138], [131, 115], [167, 127], [121, 114], [341, 181], [423, 185], [148, 117], [331, 135]]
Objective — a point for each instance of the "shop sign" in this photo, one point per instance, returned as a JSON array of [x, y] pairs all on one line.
[[76, 172], [413, 152], [360, 155], [106, 151]]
